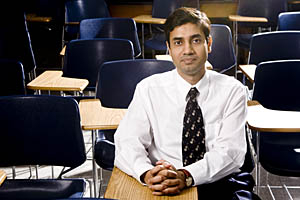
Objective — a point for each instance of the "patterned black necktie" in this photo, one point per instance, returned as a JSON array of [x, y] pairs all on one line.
[[193, 136]]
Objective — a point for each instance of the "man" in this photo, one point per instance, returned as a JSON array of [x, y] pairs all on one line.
[[185, 127]]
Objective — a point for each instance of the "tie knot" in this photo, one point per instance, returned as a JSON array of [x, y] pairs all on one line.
[[192, 93]]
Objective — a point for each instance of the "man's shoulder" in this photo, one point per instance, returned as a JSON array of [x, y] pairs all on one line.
[[158, 80], [223, 80]]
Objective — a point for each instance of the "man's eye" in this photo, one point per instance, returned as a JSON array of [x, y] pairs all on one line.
[[197, 41], [177, 42]]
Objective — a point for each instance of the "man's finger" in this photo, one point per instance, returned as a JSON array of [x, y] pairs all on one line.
[[171, 190], [167, 173], [154, 171]]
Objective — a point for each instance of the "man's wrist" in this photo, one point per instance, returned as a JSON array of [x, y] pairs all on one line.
[[188, 179], [143, 176]]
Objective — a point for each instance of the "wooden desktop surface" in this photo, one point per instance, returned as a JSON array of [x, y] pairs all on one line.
[[53, 81], [95, 117], [238, 18], [148, 19], [168, 57], [248, 71], [212, 9], [263, 119], [31, 17], [2, 176], [121, 186]]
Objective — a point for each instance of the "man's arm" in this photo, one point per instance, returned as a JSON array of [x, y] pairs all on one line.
[[226, 154], [133, 137]]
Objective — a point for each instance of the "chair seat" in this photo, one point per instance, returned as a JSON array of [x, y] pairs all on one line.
[[42, 188], [104, 154], [278, 153]]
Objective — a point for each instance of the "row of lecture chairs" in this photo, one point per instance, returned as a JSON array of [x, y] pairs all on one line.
[[81, 60], [275, 12], [276, 86], [277, 56], [86, 19], [78, 10], [30, 143]]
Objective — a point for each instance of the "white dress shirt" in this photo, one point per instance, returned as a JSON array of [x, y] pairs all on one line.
[[152, 127]]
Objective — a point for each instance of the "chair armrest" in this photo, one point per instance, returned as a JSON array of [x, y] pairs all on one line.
[[239, 18]]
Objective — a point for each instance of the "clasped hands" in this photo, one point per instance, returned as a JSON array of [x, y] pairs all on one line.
[[164, 179]]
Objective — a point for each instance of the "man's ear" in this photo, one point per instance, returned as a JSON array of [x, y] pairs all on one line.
[[168, 47], [209, 43]]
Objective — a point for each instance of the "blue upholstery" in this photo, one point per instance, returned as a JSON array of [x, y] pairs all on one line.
[[289, 21], [222, 56], [104, 153], [277, 45], [77, 10], [161, 9], [12, 80], [269, 9], [50, 134], [123, 28], [121, 76], [15, 41], [276, 87], [84, 57]]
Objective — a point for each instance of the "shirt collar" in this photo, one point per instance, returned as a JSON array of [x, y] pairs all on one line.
[[184, 87]]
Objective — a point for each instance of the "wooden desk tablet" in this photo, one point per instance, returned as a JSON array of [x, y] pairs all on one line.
[[168, 57], [267, 120], [95, 117], [2, 176], [121, 186], [237, 18], [147, 19], [35, 18], [248, 71], [53, 81], [63, 51]]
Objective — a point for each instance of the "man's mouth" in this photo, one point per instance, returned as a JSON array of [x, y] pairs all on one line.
[[188, 60]]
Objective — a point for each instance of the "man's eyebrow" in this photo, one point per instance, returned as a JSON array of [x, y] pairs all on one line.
[[193, 36], [196, 36], [177, 38]]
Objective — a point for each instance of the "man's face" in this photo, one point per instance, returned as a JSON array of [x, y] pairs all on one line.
[[189, 50]]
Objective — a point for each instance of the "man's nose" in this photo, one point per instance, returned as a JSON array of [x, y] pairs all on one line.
[[188, 48]]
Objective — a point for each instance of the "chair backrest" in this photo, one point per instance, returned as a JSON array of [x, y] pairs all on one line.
[[278, 45], [277, 84], [289, 21], [123, 28], [222, 56], [276, 87], [77, 10], [15, 40], [162, 9], [12, 80], [117, 79], [40, 130], [84, 57], [269, 9]]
